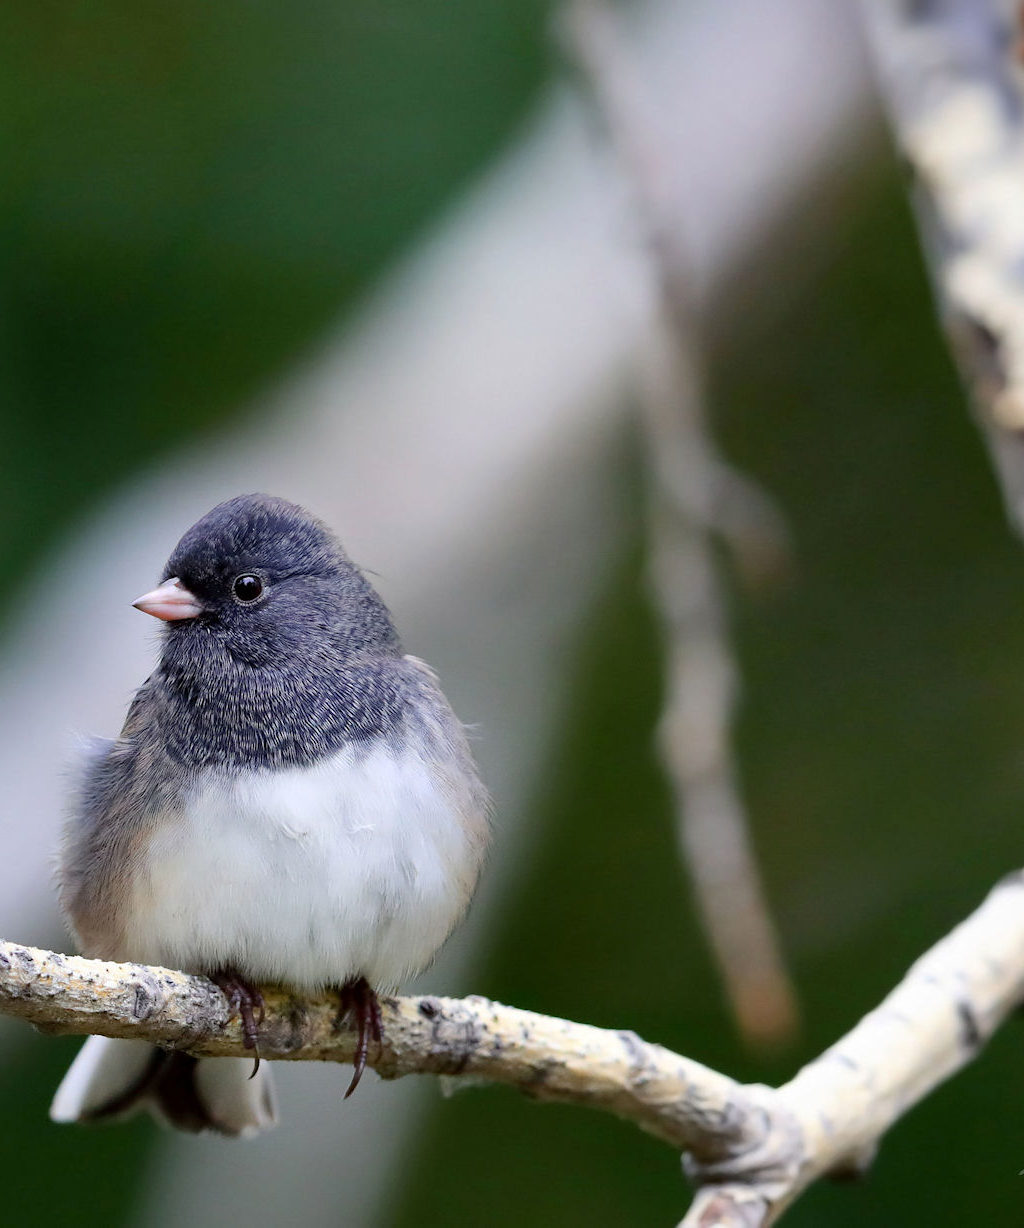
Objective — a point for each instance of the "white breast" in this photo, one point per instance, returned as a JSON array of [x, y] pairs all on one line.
[[358, 866]]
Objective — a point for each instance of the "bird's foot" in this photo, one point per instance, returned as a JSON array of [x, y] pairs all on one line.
[[246, 1002], [359, 1002]]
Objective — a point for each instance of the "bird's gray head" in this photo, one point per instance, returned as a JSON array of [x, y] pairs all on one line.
[[264, 582]]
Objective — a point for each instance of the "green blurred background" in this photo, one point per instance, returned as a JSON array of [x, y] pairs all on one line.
[[191, 195]]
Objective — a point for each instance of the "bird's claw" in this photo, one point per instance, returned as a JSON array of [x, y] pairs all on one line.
[[246, 1002], [357, 999]]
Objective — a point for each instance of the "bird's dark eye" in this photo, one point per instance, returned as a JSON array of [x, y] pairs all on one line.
[[247, 588]]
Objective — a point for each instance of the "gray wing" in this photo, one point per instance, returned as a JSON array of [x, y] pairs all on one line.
[[120, 784], [450, 758]]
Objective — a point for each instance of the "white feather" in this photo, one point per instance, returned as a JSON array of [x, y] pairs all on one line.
[[356, 866], [240, 1103], [102, 1070]]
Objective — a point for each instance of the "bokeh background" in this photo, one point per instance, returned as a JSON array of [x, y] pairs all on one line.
[[375, 258]]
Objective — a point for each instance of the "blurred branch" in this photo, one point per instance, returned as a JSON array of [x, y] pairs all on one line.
[[695, 497], [751, 1150], [951, 72]]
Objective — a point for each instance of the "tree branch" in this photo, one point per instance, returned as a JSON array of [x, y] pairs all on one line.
[[751, 1150], [936, 1021], [680, 1101]]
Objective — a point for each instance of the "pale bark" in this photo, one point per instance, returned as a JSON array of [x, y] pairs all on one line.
[[749, 1149]]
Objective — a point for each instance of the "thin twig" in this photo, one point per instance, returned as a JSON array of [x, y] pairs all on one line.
[[695, 496]]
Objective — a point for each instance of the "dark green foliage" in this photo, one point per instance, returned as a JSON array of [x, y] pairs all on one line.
[[190, 193]]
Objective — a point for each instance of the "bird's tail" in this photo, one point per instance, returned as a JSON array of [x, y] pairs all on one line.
[[111, 1079]]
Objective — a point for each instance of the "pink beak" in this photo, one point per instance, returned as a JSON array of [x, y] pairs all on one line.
[[170, 601]]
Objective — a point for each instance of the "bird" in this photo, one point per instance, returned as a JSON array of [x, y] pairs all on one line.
[[291, 801]]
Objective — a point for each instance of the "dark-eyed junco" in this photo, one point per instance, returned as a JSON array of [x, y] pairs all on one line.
[[291, 800]]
